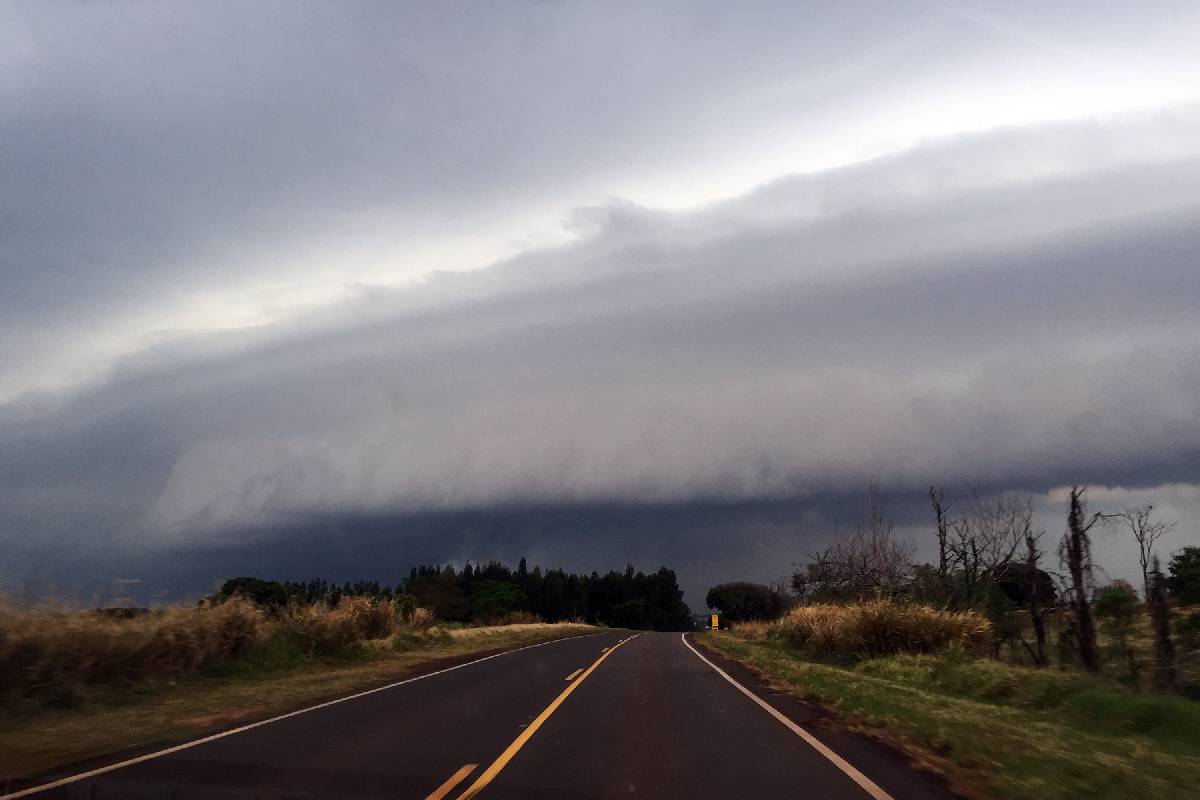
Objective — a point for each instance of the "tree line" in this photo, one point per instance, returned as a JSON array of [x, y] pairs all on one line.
[[491, 592]]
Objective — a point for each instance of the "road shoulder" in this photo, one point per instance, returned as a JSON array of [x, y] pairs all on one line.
[[902, 769]]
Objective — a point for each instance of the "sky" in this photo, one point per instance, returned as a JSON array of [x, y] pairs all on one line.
[[300, 288]]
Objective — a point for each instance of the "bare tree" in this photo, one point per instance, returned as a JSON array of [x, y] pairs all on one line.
[[1076, 553], [1145, 532], [938, 500], [1033, 590], [1165, 678], [867, 562], [984, 542], [1001, 524]]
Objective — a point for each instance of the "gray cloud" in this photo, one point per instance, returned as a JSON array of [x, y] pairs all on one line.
[[1011, 332], [1014, 306], [160, 155]]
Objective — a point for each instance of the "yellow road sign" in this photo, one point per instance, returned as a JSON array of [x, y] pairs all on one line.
[[714, 624]]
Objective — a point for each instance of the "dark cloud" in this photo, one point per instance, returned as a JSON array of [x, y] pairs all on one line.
[[698, 387], [1006, 334]]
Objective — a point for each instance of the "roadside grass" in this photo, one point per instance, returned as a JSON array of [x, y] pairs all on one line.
[[995, 729], [1117, 658], [272, 677]]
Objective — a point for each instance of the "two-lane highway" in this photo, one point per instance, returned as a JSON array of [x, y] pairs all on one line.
[[602, 716]]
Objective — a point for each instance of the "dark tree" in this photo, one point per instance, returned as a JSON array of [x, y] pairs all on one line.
[[1184, 581], [1165, 677], [491, 600], [1018, 581], [937, 499], [1076, 551], [741, 601], [488, 592], [1035, 597], [268, 594]]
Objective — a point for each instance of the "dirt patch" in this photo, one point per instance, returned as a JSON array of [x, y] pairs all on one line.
[[224, 718]]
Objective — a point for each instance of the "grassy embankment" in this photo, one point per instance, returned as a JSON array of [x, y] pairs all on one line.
[[994, 729], [75, 686]]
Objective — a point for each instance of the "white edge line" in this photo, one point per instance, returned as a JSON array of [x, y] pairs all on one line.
[[130, 762], [869, 786]]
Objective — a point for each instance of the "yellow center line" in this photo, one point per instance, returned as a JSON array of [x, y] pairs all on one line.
[[489, 774], [452, 781], [574, 674]]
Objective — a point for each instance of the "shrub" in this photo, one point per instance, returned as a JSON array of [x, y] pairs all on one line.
[[320, 630], [373, 619], [876, 628], [422, 619], [405, 605]]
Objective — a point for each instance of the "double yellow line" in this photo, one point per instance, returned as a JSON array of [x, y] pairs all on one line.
[[489, 774]]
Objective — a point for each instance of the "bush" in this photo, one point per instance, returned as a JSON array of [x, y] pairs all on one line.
[[422, 619], [321, 630], [877, 628], [405, 605], [373, 619]]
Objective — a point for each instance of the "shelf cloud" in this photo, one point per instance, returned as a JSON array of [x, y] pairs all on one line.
[[213, 331]]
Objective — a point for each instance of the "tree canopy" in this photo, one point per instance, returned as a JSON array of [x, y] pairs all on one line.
[[740, 601], [1184, 580], [488, 592]]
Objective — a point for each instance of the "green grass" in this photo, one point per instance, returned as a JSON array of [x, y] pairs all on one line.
[[272, 677], [999, 730]]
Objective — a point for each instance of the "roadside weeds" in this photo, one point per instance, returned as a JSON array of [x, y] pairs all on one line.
[[983, 749]]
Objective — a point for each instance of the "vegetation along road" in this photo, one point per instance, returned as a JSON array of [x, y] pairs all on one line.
[[615, 714]]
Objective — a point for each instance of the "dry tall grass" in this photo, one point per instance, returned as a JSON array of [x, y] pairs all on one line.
[[322, 630], [753, 629], [881, 628], [42, 652], [422, 619], [47, 654], [512, 627]]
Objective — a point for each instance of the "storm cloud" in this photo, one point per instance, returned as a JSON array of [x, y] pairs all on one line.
[[437, 277]]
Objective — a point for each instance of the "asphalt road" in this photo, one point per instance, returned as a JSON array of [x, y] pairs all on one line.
[[602, 716]]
